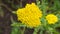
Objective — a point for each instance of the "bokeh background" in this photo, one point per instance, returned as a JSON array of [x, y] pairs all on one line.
[[7, 6]]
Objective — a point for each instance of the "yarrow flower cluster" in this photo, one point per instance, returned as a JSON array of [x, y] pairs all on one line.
[[51, 18], [30, 15]]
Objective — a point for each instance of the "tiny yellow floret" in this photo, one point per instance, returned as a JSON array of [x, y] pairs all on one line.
[[52, 19]]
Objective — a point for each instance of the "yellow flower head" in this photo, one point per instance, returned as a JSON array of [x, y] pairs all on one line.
[[51, 18], [34, 10], [30, 15]]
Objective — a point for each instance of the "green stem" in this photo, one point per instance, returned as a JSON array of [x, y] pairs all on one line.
[[15, 30], [41, 32], [22, 31], [36, 30], [51, 32]]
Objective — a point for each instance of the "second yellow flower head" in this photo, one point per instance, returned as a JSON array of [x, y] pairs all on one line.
[[51, 18]]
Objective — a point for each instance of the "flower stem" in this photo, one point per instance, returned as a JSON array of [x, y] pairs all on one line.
[[35, 31], [22, 31], [41, 32]]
